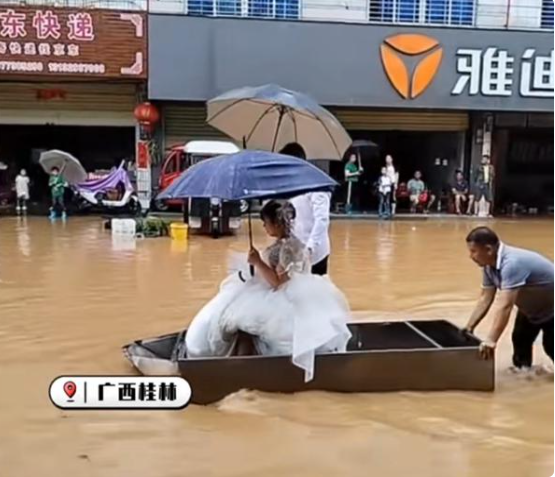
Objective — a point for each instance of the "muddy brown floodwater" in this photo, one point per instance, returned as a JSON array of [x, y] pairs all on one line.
[[70, 297]]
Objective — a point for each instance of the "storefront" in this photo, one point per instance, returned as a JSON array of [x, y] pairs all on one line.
[[522, 149], [70, 80], [422, 94]]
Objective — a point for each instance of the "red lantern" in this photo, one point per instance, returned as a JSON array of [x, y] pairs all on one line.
[[147, 115]]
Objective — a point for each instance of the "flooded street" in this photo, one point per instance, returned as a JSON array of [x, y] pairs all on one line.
[[70, 298]]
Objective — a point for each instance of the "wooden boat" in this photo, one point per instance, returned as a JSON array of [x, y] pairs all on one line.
[[396, 356]]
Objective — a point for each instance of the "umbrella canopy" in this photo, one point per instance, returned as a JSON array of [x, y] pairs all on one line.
[[70, 167], [249, 175], [270, 117], [360, 143]]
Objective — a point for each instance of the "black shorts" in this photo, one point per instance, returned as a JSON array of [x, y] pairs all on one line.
[[482, 190]]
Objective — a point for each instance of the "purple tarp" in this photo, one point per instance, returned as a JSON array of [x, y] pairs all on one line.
[[108, 182]]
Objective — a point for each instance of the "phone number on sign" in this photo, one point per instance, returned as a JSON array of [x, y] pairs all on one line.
[[37, 67], [97, 68], [21, 66]]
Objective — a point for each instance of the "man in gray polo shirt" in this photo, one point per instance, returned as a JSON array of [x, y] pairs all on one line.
[[524, 279]]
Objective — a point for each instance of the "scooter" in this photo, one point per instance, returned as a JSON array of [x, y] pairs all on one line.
[[113, 192]]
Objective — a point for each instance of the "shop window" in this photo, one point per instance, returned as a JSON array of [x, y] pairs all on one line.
[[222, 8], [287, 9], [547, 14], [228, 8], [284, 9], [393, 11], [450, 12], [201, 7], [440, 12]]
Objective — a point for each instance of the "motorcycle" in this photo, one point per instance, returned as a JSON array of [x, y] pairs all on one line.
[[6, 192], [113, 191]]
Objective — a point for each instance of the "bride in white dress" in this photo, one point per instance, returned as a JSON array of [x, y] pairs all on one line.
[[283, 307]]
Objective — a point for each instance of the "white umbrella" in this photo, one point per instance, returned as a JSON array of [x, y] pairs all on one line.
[[270, 117], [70, 167]]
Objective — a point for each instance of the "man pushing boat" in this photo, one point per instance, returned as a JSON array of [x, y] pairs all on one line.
[[520, 278]]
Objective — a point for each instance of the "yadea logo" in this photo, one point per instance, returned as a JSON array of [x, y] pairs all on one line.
[[394, 51]]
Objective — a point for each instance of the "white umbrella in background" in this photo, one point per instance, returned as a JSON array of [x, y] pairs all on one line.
[[70, 167], [270, 117]]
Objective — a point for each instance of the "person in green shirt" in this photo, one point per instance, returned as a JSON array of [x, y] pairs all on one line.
[[57, 186], [352, 175]]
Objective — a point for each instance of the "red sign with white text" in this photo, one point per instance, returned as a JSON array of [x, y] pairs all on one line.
[[69, 42]]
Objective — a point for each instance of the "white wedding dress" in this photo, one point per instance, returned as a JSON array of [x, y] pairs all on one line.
[[305, 316]]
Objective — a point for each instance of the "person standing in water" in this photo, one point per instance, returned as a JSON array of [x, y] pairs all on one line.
[[311, 220], [22, 192], [483, 187], [394, 177], [57, 186], [520, 278], [311, 227], [352, 176], [384, 190]]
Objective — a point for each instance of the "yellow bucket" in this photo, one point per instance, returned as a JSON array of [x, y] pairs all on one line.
[[179, 232]]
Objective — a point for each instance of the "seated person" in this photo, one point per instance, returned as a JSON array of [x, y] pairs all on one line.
[[402, 191], [416, 188], [460, 192], [285, 309]]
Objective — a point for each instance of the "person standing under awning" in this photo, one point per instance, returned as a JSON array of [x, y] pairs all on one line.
[[394, 176], [352, 176]]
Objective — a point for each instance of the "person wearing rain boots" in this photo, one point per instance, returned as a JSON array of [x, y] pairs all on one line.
[[57, 186], [352, 175], [22, 192], [394, 177]]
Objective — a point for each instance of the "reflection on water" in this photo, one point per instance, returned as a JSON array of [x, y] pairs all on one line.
[[70, 296], [23, 239]]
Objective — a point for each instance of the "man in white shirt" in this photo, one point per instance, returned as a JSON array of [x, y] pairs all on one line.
[[312, 222]]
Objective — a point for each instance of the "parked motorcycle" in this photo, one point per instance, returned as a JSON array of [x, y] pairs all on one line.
[[112, 192], [6, 192]]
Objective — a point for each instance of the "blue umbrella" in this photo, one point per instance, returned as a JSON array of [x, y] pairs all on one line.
[[249, 175]]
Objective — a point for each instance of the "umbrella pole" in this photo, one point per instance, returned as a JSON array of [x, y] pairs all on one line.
[[281, 114], [251, 267], [250, 229]]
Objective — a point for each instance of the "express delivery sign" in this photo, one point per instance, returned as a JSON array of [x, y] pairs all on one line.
[[69, 42]]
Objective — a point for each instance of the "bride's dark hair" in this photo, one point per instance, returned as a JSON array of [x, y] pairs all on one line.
[[279, 213]]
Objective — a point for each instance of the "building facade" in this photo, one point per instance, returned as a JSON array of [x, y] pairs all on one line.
[[519, 14], [435, 98], [70, 79]]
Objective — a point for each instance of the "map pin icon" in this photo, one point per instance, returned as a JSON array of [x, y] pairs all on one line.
[[70, 389]]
